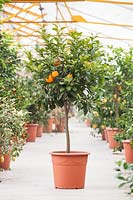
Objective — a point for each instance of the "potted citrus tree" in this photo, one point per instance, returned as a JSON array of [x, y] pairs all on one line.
[[66, 67]]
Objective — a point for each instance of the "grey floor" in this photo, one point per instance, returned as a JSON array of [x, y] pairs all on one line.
[[31, 178]]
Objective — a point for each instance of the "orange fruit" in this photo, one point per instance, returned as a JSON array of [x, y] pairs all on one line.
[[49, 79], [2, 159], [55, 74], [103, 126], [104, 100], [69, 75], [94, 126], [118, 99], [119, 87], [124, 101], [115, 96]]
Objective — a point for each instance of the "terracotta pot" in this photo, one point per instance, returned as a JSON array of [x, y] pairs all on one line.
[[88, 122], [106, 134], [60, 128], [44, 129], [128, 151], [59, 124], [31, 130], [50, 125], [69, 169], [6, 164], [39, 130], [112, 142]]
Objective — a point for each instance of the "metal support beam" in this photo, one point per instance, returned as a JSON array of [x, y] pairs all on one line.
[[72, 21], [96, 1], [35, 22]]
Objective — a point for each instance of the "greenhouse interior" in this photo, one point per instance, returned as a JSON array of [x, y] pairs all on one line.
[[66, 99]]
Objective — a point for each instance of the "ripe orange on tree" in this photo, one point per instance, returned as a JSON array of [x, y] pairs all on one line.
[[55, 74], [50, 79], [69, 75]]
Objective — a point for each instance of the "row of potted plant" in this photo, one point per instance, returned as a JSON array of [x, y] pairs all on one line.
[[112, 106]]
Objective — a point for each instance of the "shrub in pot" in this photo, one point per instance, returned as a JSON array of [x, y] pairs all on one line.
[[12, 131], [68, 68], [33, 106]]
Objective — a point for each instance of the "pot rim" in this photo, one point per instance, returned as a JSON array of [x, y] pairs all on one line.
[[72, 153], [126, 141], [30, 124]]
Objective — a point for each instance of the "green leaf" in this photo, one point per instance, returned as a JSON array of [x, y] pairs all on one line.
[[117, 169], [125, 165], [68, 88], [120, 177], [119, 163], [122, 184], [62, 89]]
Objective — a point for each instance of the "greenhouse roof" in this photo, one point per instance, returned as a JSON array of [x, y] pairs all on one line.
[[112, 20]]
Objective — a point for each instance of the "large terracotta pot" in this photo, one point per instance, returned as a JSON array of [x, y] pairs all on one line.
[[39, 130], [6, 163], [69, 169], [112, 142], [128, 151], [31, 130]]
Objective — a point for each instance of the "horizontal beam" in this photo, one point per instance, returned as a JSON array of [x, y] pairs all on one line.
[[37, 22], [28, 35], [50, 1], [104, 37], [64, 21], [111, 2], [43, 1]]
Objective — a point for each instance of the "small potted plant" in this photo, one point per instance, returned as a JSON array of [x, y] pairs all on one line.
[[32, 106], [68, 82], [12, 132]]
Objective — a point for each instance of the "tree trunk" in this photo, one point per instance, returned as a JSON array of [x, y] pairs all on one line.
[[66, 108]]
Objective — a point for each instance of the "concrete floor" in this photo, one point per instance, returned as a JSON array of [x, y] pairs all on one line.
[[31, 178]]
